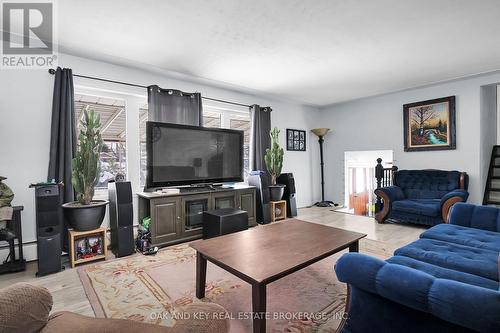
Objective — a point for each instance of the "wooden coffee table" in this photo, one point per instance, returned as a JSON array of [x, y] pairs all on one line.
[[267, 253]]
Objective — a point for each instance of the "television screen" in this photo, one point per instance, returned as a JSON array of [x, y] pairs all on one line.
[[182, 155]]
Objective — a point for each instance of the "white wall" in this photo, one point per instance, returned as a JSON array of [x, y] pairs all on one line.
[[488, 130], [376, 123], [25, 115]]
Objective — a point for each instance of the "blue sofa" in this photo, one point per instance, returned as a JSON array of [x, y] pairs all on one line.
[[422, 196], [447, 281]]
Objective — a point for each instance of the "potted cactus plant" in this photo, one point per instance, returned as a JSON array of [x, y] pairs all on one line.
[[274, 164], [86, 213]]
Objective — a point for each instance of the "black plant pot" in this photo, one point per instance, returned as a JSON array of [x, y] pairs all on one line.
[[276, 191], [84, 218]]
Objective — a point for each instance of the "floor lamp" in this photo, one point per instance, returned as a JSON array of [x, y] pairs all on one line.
[[320, 133]]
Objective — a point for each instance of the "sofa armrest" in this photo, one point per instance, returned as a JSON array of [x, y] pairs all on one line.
[[196, 318], [451, 198], [389, 195], [455, 302], [65, 321], [24, 308], [462, 194], [394, 193], [203, 318], [474, 216]]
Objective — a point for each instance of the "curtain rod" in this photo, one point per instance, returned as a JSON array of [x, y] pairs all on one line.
[[53, 71]]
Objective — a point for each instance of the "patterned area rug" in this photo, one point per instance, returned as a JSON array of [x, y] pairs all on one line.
[[157, 288]]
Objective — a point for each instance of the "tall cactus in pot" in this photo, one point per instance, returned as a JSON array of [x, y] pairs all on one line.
[[86, 166], [274, 156], [86, 213], [274, 162]]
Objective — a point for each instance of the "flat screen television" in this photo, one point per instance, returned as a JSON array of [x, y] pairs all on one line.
[[184, 155]]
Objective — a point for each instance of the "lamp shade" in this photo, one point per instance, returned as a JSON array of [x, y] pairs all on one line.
[[320, 131]]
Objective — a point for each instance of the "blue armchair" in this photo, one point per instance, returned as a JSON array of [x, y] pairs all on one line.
[[447, 281], [422, 196]]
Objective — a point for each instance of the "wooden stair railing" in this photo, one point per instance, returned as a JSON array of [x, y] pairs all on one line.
[[492, 176], [384, 177]]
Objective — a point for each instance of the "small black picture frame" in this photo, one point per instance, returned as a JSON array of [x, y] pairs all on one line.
[[295, 140]]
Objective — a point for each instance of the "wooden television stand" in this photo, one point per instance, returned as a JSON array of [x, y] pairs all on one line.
[[177, 217]]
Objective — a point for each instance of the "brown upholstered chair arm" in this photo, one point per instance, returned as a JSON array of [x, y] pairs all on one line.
[[24, 308]]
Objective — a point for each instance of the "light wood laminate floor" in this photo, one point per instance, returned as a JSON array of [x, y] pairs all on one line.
[[69, 295]]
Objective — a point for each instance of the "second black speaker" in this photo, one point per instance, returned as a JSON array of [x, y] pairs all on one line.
[[289, 195], [261, 182], [121, 217]]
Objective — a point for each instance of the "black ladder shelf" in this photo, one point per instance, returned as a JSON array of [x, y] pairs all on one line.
[[490, 188]]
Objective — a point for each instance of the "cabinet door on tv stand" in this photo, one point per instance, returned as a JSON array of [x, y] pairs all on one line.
[[165, 220], [246, 201], [226, 199], [192, 208]]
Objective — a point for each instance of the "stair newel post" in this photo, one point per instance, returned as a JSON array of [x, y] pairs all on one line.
[[379, 175]]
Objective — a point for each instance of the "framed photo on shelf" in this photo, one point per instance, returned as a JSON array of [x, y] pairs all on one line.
[[89, 246], [295, 140], [430, 125]]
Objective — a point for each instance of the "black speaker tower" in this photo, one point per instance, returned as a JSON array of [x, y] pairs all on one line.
[[289, 194], [49, 227], [261, 181], [121, 215]]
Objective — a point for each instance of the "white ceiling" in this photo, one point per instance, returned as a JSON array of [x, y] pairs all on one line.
[[315, 51]]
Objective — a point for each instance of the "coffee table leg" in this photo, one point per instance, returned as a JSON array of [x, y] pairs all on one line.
[[354, 247], [259, 308], [201, 275]]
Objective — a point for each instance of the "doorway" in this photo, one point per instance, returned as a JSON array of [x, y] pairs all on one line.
[[359, 180]]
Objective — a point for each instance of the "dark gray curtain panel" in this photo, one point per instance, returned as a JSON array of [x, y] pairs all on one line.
[[63, 131], [260, 138], [174, 106]]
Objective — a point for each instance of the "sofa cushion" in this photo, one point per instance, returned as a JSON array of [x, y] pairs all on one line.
[[472, 237], [444, 273], [471, 260], [427, 207], [427, 184]]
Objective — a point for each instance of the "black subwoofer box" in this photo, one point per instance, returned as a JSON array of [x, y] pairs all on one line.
[[224, 221], [121, 216]]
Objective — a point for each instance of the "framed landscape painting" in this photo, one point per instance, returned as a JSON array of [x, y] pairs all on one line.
[[430, 125]]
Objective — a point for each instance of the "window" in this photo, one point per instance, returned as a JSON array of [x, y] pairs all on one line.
[[243, 124], [143, 117], [211, 119], [113, 130], [213, 116]]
